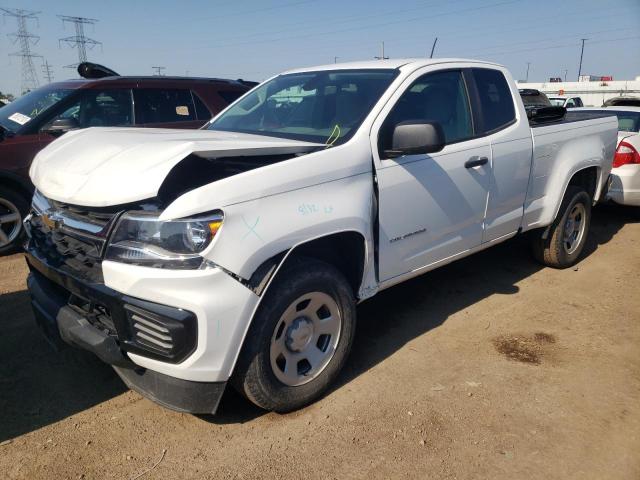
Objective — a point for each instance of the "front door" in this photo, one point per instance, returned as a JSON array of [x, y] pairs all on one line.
[[431, 206]]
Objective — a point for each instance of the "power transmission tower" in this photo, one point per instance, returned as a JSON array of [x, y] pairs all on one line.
[[29, 79], [47, 71], [79, 40], [382, 57], [159, 70], [581, 54]]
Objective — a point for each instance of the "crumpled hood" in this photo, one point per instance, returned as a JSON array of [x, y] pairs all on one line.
[[99, 167]]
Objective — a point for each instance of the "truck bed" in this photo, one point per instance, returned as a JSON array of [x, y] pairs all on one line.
[[557, 147], [570, 117]]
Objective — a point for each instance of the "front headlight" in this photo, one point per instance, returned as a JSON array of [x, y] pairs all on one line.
[[140, 238]]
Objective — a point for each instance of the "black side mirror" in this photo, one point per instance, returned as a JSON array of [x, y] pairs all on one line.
[[415, 137], [61, 125]]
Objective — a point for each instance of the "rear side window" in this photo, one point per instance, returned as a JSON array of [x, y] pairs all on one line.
[[164, 106], [202, 111], [496, 101], [230, 96], [99, 108]]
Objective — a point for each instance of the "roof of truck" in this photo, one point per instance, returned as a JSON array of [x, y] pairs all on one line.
[[386, 64]]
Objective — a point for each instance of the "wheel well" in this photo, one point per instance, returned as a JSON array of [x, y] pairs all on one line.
[[15, 184], [586, 179], [343, 250]]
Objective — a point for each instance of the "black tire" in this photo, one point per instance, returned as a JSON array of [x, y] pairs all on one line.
[[19, 201], [552, 251], [254, 376]]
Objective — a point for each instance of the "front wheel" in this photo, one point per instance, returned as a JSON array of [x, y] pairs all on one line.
[[299, 339], [567, 235]]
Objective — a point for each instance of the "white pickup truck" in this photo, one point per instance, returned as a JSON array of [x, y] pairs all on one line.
[[238, 253]]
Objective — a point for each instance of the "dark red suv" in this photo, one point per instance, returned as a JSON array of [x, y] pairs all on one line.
[[38, 118]]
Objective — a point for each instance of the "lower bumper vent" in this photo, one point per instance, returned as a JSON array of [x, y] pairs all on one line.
[[172, 335]]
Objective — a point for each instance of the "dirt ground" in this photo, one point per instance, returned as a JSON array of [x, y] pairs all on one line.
[[491, 367]]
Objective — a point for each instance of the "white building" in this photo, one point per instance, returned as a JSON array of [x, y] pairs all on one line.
[[593, 94]]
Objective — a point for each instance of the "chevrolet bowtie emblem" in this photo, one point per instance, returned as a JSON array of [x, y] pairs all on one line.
[[50, 220]]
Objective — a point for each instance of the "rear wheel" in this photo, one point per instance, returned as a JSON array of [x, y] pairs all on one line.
[[299, 339], [568, 233], [13, 207]]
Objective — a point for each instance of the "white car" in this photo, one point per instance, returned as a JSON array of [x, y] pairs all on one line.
[[565, 101], [624, 185], [237, 253]]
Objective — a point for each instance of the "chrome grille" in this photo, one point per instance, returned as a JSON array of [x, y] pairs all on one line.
[[69, 238]]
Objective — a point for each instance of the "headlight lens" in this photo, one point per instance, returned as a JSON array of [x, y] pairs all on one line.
[[140, 238]]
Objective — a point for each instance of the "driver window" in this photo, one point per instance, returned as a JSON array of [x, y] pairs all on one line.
[[95, 108], [435, 97]]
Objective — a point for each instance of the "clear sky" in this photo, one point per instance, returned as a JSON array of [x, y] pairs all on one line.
[[254, 39]]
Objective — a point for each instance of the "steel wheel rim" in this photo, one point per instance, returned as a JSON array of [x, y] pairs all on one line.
[[305, 338], [10, 222], [574, 228]]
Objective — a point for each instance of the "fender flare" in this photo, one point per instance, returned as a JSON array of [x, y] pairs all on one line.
[[545, 234], [272, 266]]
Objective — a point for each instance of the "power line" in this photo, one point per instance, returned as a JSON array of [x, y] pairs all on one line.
[[549, 47], [29, 77], [264, 9], [364, 27], [321, 22], [79, 40]]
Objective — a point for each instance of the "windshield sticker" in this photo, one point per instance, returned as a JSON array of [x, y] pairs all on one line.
[[182, 110], [335, 135], [19, 118]]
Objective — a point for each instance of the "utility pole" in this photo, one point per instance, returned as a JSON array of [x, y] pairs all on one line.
[[527, 76], [79, 40], [335, 59], [159, 70], [29, 78], [565, 74], [382, 57], [433, 48], [47, 71], [581, 54]]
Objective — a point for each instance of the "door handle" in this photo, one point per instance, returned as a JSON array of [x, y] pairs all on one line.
[[476, 162]]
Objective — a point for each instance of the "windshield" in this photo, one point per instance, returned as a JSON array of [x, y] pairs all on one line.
[[321, 107], [628, 121], [29, 106], [557, 102]]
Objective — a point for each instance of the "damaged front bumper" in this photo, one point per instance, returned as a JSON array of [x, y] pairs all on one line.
[[54, 297]]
